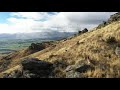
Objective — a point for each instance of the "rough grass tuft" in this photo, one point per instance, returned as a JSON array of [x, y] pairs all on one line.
[[111, 40]]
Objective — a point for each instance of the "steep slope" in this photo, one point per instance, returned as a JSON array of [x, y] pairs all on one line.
[[92, 45], [98, 47]]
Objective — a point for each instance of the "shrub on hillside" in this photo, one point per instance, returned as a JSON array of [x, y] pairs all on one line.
[[110, 40]]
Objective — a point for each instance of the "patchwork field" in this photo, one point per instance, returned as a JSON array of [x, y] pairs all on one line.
[[10, 45]]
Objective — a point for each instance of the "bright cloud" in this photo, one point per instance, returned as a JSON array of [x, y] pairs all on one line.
[[52, 21], [32, 15]]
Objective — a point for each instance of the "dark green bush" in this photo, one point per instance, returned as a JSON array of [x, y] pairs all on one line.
[[111, 40]]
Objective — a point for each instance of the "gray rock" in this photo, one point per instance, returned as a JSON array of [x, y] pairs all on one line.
[[38, 67], [70, 68], [73, 74], [27, 74], [117, 51]]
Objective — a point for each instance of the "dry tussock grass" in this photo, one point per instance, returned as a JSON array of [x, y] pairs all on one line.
[[91, 44]]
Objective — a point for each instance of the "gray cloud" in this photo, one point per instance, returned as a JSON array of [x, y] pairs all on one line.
[[88, 18], [61, 22]]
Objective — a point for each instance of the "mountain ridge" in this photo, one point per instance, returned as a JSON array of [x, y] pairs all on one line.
[[42, 35]]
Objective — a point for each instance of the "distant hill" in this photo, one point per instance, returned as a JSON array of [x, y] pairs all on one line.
[[42, 35]]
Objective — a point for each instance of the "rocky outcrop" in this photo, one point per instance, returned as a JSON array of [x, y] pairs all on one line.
[[37, 67], [31, 68], [83, 31], [113, 18], [39, 46]]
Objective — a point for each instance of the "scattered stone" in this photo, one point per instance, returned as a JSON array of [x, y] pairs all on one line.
[[117, 51], [70, 68], [73, 74], [75, 71]]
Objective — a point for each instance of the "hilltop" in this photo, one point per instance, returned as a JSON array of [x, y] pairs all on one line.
[[94, 53]]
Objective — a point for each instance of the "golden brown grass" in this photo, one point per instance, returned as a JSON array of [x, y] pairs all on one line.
[[91, 44], [18, 67]]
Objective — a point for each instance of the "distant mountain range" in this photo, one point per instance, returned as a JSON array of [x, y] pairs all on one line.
[[42, 35]]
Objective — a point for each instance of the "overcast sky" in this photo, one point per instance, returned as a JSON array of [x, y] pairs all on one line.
[[25, 22]]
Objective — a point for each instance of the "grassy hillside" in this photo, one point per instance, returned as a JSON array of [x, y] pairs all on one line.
[[91, 45], [98, 47]]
